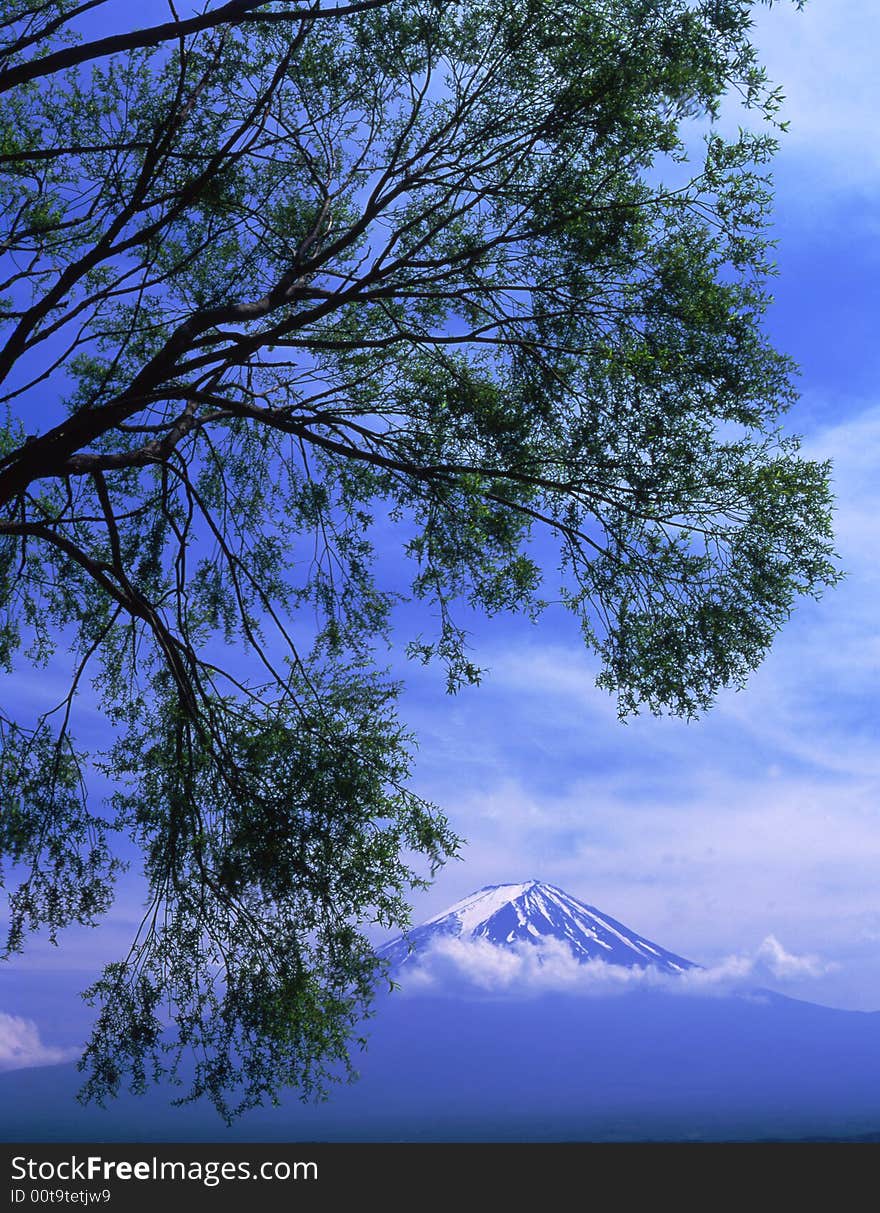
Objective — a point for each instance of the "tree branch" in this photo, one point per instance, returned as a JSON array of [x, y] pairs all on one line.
[[233, 13]]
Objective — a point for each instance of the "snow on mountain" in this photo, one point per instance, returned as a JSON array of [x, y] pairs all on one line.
[[509, 915]]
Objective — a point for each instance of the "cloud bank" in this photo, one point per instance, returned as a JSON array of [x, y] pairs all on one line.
[[477, 966], [21, 1046]]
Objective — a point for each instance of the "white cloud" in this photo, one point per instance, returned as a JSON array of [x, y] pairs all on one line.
[[458, 966], [701, 860], [21, 1046], [824, 59], [783, 965]]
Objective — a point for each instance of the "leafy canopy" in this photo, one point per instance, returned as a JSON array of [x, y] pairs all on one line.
[[279, 281]]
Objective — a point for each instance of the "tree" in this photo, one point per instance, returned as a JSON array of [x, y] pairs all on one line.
[[284, 279]]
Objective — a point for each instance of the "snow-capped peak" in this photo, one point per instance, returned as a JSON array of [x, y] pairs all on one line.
[[508, 915]]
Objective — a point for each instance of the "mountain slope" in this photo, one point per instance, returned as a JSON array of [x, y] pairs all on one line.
[[508, 915]]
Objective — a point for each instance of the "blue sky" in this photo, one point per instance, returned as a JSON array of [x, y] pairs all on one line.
[[763, 819]]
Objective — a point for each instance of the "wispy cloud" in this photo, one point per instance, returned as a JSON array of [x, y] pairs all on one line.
[[700, 863], [22, 1047], [824, 59]]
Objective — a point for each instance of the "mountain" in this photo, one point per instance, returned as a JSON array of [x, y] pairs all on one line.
[[627, 1061], [511, 914], [645, 1065]]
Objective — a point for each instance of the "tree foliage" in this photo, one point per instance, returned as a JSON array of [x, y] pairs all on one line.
[[280, 280]]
